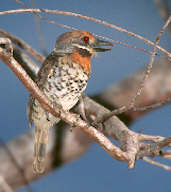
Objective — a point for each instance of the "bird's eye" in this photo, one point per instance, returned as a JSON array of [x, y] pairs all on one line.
[[86, 39]]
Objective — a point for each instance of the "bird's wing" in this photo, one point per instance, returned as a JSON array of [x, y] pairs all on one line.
[[44, 72]]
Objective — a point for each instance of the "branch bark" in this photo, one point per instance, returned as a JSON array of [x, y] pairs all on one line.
[[81, 141], [156, 89], [86, 18], [131, 143]]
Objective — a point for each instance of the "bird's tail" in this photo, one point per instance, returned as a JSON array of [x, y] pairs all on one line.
[[41, 140]]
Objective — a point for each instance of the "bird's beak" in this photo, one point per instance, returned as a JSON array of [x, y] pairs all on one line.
[[97, 47]]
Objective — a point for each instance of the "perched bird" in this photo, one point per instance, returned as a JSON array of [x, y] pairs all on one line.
[[62, 78]]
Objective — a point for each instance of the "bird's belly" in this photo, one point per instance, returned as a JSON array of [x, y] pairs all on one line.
[[63, 87], [66, 86]]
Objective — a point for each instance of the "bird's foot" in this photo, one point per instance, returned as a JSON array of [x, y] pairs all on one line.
[[97, 125]]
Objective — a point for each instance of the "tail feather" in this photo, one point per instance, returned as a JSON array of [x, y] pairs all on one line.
[[41, 140], [42, 121]]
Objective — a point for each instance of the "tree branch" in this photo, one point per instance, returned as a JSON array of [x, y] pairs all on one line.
[[22, 44], [168, 168], [87, 18], [156, 90], [131, 143], [4, 187], [131, 104]]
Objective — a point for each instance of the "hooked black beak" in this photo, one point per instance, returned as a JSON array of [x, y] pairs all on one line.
[[97, 46]]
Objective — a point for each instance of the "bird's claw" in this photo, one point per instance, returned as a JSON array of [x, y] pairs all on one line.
[[97, 125], [77, 117]]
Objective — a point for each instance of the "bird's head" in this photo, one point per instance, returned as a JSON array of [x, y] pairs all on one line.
[[82, 45]]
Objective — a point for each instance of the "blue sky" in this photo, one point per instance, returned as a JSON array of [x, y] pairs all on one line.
[[95, 171]]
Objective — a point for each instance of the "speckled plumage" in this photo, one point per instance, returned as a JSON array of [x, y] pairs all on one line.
[[62, 78], [62, 81]]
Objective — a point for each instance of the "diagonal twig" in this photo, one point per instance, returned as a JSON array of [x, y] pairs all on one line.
[[149, 66], [148, 160], [73, 28], [87, 18], [111, 129], [163, 9], [68, 117], [22, 44], [4, 187], [131, 105]]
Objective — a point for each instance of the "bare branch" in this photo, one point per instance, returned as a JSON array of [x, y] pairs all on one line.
[[149, 66], [22, 150], [69, 118], [131, 105], [156, 90], [45, 19], [166, 154], [113, 127], [87, 18], [148, 160], [153, 106], [73, 28], [124, 44], [32, 70], [151, 138], [23, 45], [4, 187], [78, 139], [163, 9], [153, 149], [130, 141]]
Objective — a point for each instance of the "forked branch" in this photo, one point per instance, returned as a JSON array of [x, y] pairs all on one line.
[[129, 141], [132, 143], [87, 18], [132, 146]]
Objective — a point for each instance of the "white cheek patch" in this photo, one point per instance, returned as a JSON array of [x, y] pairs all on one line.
[[83, 47]]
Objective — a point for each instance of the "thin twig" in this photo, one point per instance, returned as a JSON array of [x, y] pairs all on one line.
[[40, 58], [96, 35], [166, 167], [163, 9], [166, 154], [114, 130], [37, 17], [68, 117], [165, 142], [153, 106], [131, 105], [4, 187], [129, 141], [123, 109], [150, 138], [124, 44], [87, 18], [45, 19], [22, 44], [153, 149], [39, 32], [149, 66]]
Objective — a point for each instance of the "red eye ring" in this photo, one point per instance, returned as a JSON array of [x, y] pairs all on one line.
[[86, 39]]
